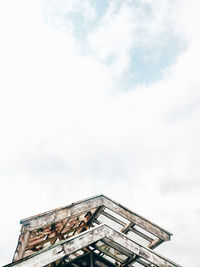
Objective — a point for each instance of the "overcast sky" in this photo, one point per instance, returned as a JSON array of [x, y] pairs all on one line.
[[101, 96]]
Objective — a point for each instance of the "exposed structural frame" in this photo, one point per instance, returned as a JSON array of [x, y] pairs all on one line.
[[97, 203], [76, 208], [87, 238]]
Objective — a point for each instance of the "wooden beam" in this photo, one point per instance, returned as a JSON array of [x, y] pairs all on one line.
[[57, 215], [141, 234], [23, 244], [74, 209], [96, 214], [155, 243], [111, 217], [106, 252], [87, 238], [137, 219], [127, 227]]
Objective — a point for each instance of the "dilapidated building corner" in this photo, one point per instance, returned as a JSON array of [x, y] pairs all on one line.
[[96, 232]]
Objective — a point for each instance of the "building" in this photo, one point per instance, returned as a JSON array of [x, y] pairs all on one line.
[[96, 232]]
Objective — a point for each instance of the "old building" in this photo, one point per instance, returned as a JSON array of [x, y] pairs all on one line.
[[96, 232]]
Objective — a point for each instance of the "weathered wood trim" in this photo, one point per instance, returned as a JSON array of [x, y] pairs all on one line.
[[141, 234], [74, 209], [60, 214], [127, 227], [86, 238], [107, 252], [135, 218], [138, 249], [118, 247], [58, 209], [25, 236], [155, 243], [113, 218], [62, 249], [96, 214]]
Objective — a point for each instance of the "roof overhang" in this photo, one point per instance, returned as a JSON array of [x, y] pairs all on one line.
[[112, 238]]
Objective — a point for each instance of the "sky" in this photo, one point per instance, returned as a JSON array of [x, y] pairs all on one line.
[[101, 96]]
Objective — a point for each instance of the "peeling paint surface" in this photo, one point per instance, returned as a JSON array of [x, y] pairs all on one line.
[[98, 227]]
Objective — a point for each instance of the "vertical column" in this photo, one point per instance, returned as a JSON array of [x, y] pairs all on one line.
[[22, 247], [91, 260]]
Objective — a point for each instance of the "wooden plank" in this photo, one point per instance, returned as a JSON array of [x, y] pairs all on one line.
[[141, 234], [87, 238], [74, 209], [139, 250], [106, 252], [111, 217], [135, 218], [60, 214], [155, 243], [22, 246], [96, 214], [118, 247], [127, 227]]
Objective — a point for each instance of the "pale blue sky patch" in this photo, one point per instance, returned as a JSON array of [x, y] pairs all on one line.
[[100, 6], [148, 64], [88, 78], [82, 25], [152, 53]]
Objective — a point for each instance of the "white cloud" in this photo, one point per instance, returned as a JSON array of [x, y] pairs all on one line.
[[65, 124], [127, 25], [112, 39]]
